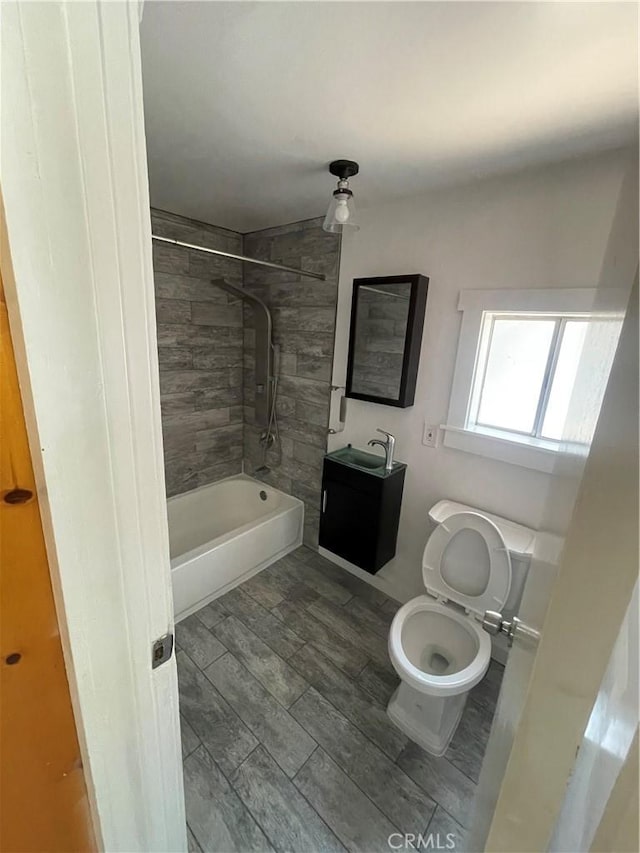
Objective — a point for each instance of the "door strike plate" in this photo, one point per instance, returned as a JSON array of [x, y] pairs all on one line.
[[161, 650]]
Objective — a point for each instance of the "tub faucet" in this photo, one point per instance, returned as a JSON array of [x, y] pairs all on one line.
[[389, 447]]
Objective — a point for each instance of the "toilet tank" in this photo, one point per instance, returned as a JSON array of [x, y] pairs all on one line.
[[519, 540]]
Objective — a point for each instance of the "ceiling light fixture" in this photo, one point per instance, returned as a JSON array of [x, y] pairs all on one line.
[[341, 213]]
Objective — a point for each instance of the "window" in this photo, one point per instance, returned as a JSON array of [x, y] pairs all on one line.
[[531, 371], [526, 369]]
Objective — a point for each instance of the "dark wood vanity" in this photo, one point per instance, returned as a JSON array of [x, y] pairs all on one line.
[[360, 509]]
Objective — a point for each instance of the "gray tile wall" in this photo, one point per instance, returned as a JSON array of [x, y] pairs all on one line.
[[303, 311], [200, 354], [207, 356]]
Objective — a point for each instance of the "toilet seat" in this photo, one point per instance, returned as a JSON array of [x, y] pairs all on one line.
[[466, 561], [436, 619]]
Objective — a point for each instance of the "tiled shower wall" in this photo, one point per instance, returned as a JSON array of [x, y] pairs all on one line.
[[200, 353], [304, 314], [203, 386]]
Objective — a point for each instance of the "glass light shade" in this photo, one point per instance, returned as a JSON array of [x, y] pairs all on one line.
[[341, 213]]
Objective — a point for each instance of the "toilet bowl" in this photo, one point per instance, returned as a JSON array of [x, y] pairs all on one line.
[[436, 642], [439, 654], [438, 650]]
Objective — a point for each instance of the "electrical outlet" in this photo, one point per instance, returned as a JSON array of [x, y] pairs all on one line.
[[430, 435]]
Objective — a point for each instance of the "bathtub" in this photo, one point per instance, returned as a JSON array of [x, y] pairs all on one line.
[[224, 533]]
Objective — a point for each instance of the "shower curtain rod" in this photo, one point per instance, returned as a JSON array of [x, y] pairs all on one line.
[[383, 292], [234, 257]]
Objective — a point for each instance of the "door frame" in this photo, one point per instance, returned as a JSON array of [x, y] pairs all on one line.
[[519, 804], [76, 259]]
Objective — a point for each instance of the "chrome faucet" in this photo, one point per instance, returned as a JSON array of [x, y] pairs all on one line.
[[389, 447]]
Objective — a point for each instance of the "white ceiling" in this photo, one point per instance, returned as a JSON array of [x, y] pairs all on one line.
[[246, 103]]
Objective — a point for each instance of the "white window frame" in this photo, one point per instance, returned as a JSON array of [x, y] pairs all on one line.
[[528, 451]]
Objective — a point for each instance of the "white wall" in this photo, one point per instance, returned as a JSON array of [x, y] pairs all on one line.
[[542, 228]]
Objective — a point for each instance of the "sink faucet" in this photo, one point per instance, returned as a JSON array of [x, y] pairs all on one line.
[[389, 447]]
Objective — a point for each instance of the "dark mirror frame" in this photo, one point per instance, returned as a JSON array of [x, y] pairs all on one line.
[[412, 341]]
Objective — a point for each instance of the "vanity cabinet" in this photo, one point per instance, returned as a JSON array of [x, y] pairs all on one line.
[[360, 512]]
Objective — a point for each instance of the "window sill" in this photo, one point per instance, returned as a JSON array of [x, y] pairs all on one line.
[[537, 454]]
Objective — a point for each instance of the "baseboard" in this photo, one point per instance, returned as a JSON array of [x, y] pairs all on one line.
[[373, 580]]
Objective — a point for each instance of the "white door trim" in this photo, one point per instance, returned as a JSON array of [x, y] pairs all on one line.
[[81, 304]]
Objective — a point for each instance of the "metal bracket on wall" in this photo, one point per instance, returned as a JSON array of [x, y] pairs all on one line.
[[342, 417]]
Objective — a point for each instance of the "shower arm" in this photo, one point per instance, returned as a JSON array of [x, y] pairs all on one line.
[[235, 257], [265, 380], [244, 294]]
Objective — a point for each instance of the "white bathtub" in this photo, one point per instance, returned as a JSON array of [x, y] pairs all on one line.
[[222, 534]]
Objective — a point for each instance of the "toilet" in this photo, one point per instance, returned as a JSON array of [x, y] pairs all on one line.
[[473, 562]]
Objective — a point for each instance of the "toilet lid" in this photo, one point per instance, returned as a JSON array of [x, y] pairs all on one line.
[[466, 561]]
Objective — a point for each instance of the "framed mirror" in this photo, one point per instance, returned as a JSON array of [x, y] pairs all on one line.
[[387, 318]]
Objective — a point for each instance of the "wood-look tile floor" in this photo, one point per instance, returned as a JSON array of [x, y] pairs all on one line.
[[287, 746]]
